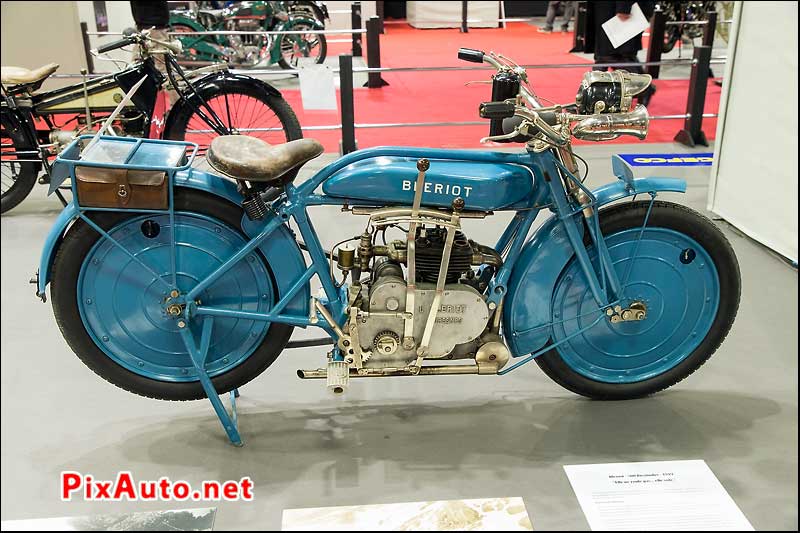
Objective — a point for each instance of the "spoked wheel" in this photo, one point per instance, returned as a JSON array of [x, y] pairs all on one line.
[[188, 53], [18, 177], [242, 109], [682, 272], [297, 50], [113, 310]]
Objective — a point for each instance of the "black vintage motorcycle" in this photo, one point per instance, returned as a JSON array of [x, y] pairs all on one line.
[[210, 101], [683, 12]]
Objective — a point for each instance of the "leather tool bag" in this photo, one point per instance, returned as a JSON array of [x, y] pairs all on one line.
[[122, 188]]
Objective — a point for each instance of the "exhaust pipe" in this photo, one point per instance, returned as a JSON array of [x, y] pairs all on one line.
[[443, 370]]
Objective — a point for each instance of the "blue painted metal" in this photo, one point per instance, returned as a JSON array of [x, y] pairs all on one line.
[[527, 316], [198, 356], [205, 264], [618, 190], [484, 186], [123, 305], [681, 299]]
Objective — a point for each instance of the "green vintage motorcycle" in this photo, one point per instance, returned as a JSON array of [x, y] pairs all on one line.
[[250, 49]]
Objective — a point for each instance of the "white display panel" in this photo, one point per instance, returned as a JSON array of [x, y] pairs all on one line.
[[448, 14], [754, 177]]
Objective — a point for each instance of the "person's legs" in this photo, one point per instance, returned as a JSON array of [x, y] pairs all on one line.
[[552, 11], [569, 11]]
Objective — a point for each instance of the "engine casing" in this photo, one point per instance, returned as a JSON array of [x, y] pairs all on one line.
[[462, 317]]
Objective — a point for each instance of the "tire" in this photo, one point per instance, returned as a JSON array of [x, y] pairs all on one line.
[[249, 98], [572, 371], [323, 47], [18, 179], [72, 259]]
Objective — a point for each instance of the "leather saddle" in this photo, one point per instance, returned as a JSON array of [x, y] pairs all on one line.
[[23, 78], [251, 159]]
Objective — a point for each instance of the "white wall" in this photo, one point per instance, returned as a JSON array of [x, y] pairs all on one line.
[[36, 33], [754, 177]]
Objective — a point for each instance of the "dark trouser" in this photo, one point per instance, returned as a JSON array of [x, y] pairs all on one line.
[[552, 10]]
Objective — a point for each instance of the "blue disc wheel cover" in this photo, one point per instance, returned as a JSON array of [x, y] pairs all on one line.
[[676, 279], [123, 305]]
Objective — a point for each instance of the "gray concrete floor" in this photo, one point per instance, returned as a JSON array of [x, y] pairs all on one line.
[[402, 439]]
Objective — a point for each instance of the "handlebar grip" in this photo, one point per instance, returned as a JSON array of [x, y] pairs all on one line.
[[496, 110], [468, 54], [113, 45]]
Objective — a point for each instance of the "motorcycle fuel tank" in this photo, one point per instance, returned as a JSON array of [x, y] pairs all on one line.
[[484, 186]]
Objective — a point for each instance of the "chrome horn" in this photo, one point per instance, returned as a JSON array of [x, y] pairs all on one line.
[[607, 126]]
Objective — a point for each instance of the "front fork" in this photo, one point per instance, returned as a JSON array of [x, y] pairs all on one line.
[[605, 285]]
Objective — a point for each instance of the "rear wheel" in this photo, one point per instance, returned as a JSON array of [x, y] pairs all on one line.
[[112, 311], [18, 177], [686, 275]]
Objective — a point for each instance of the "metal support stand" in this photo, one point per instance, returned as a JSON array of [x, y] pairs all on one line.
[[379, 13], [374, 53], [579, 35], [656, 46], [87, 47], [230, 422], [464, 25], [692, 132], [346, 107], [355, 23], [709, 31]]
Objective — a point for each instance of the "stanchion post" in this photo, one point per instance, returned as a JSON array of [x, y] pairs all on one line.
[[379, 10], [87, 47], [374, 53], [464, 25], [348, 143], [656, 46], [579, 33], [692, 132], [710, 28], [355, 24]]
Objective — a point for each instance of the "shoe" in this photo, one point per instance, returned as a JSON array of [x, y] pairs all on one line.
[[545, 30], [644, 98], [564, 29], [718, 83]]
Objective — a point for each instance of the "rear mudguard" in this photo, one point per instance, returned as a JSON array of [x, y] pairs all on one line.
[[211, 84], [281, 250], [527, 309]]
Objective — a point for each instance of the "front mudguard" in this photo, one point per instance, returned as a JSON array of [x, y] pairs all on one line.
[[527, 313], [210, 85], [284, 258]]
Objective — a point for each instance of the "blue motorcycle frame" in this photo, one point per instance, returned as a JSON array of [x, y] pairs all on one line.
[[524, 283]]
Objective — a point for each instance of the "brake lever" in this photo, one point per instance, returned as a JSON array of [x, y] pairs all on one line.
[[522, 129], [476, 81]]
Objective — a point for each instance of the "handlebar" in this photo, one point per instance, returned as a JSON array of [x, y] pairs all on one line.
[[102, 49], [143, 37]]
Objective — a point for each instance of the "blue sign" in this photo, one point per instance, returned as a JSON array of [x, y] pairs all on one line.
[[668, 160]]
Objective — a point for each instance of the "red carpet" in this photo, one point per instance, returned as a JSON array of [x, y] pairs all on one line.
[[440, 96]]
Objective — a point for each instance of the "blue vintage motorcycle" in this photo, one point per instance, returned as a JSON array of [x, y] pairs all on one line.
[[180, 284]]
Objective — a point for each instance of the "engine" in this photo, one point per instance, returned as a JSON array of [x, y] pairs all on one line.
[[462, 315]]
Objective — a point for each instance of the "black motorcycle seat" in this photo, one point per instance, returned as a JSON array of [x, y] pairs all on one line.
[[251, 159], [23, 76]]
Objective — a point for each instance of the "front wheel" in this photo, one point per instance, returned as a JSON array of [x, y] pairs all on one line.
[[18, 177], [684, 273]]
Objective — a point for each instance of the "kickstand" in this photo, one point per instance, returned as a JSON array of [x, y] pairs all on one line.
[[230, 422], [61, 198]]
